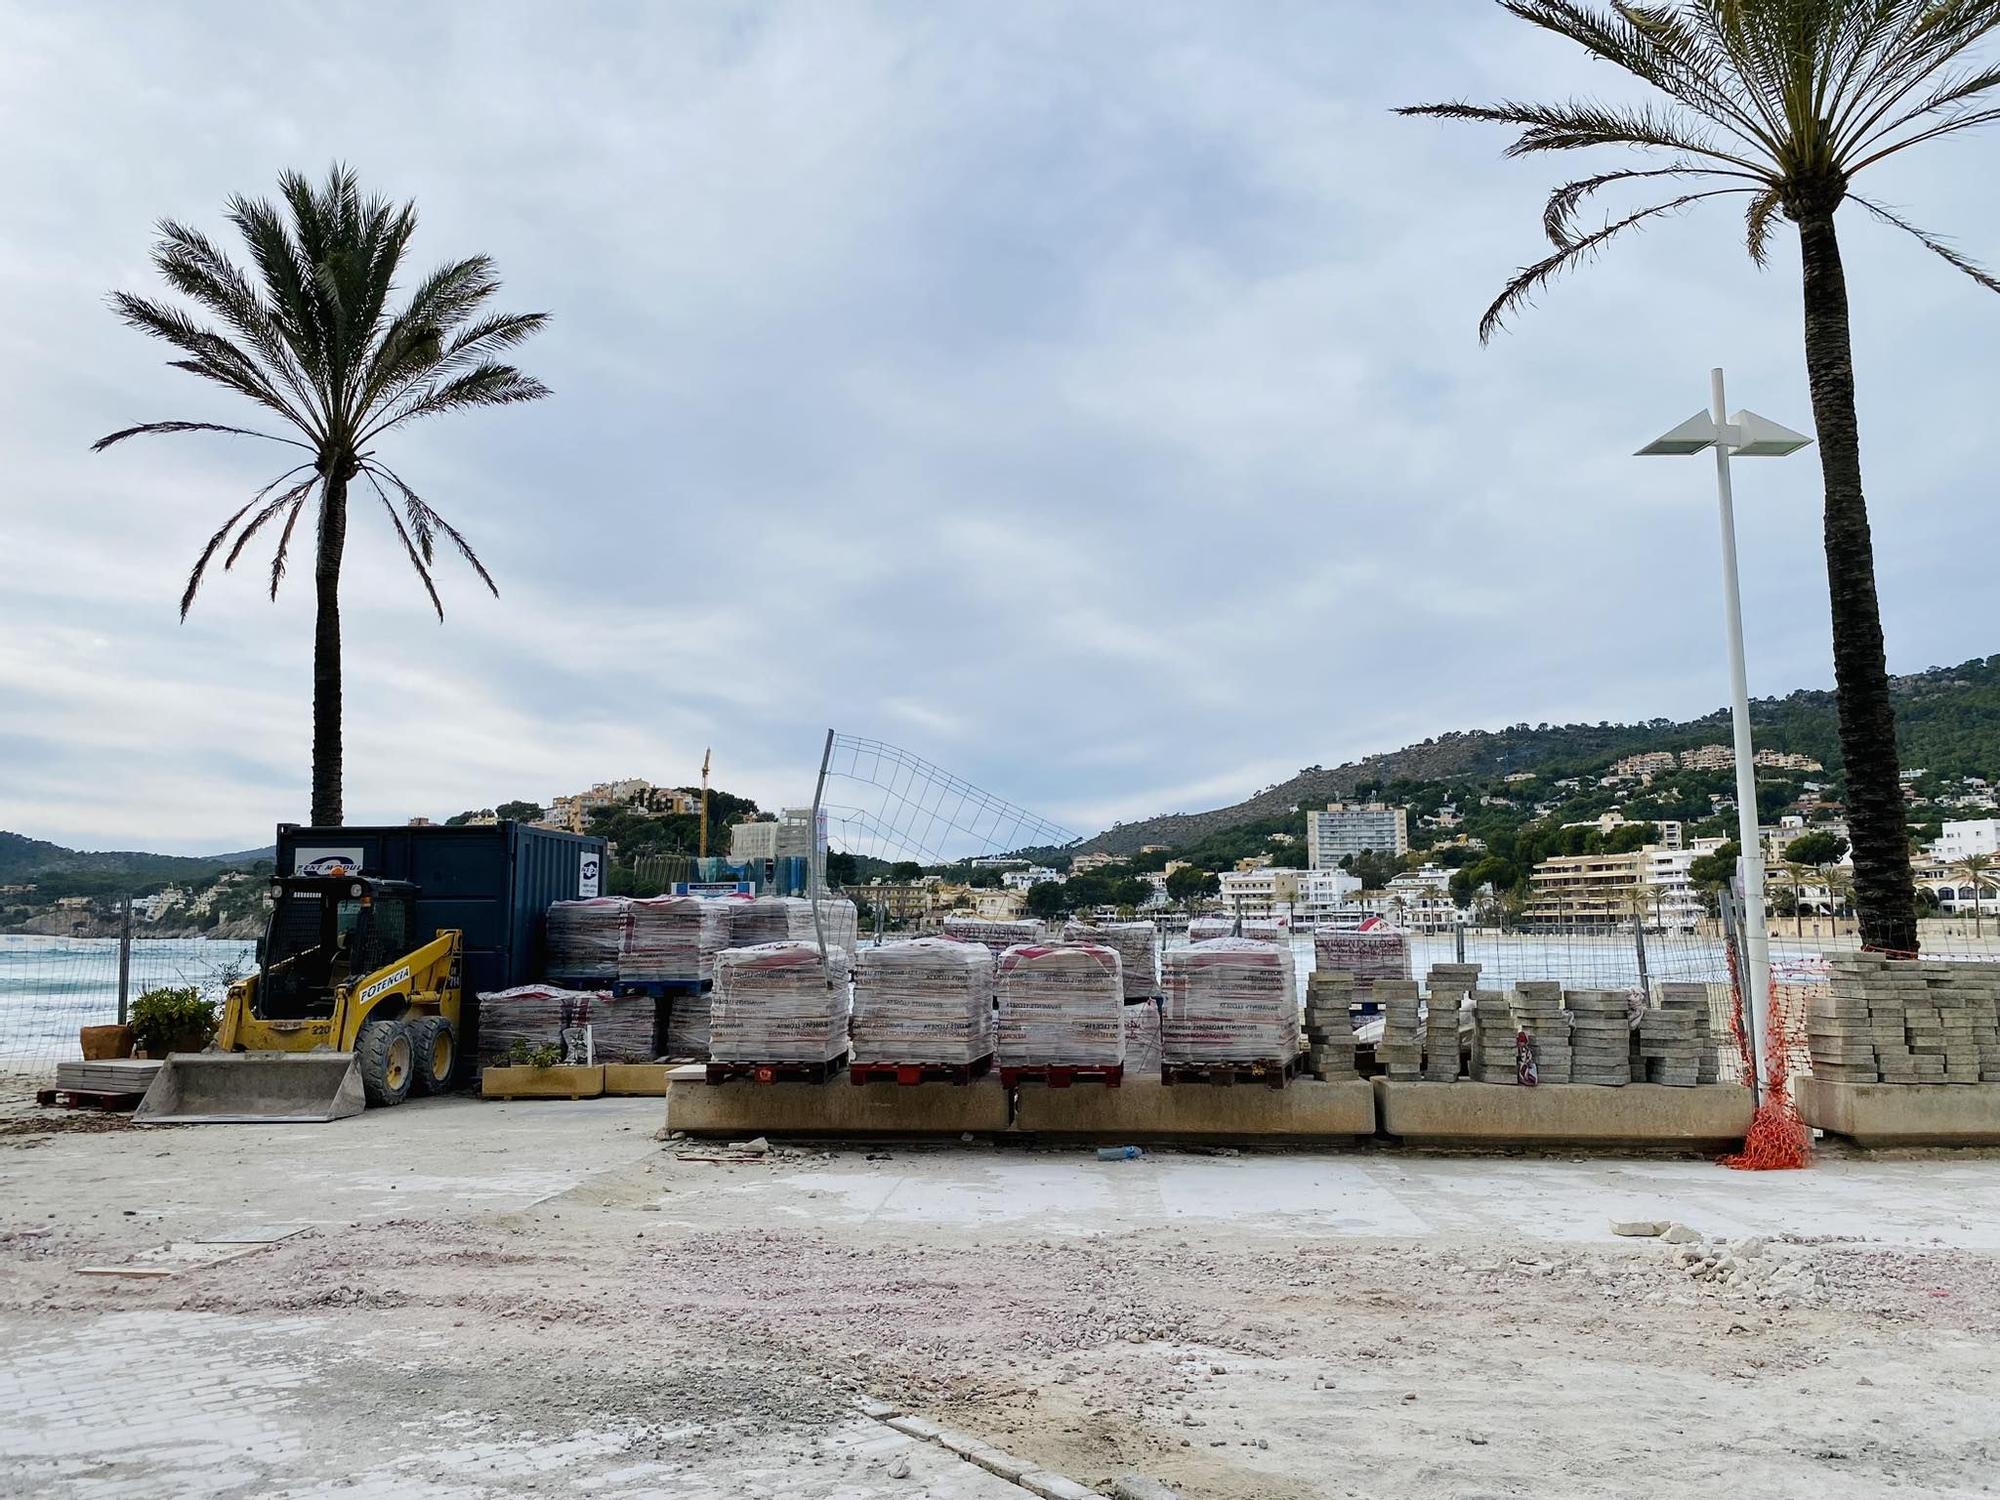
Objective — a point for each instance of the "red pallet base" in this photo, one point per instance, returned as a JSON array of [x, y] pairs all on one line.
[[907, 1074], [1270, 1072], [1062, 1078], [87, 1099], [781, 1072]]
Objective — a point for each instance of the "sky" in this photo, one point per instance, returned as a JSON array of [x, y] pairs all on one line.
[[1085, 398]]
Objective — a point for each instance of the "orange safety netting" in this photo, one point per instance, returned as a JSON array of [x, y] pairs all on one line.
[[1778, 1140]]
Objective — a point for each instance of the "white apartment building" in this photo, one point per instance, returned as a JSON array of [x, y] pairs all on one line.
[[1349, 828], [1666, 872], [1971, 836], [1020, 880]]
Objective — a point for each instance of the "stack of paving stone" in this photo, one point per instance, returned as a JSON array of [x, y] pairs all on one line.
[[1600, 1033], [773, 1003], [927, 1001], [789, 919], [1539, 1011], [1979, 985], [674, 938], [1494, 1055], [1945, 1015], [996, 937], [1330, 1025], [1061, 1007], [1380, 953], [1229, 1000], [1853, 1034], [1448, 984], [1670, 1045], [1401, 1050], [1692, 997], [585, 939], [1134, 943]]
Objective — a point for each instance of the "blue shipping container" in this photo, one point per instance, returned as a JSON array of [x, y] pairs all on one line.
[[494, 883]]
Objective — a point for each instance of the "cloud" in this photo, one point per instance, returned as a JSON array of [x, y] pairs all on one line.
[[1087, 399]]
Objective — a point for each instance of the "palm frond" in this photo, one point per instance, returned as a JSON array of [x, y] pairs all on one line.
[[438, 522], [292, 497], [1533, 278], [284, 546], [409, 547], [1559, 215], [1757, 222], [201, 563], [485, 384], [1943, 251], [211, 354], [151, 427], [1580, 123]]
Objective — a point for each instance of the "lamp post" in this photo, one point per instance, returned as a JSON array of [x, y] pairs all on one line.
[[1745, 435]]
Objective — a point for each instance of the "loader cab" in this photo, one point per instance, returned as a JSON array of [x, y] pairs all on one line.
[[326, 931]]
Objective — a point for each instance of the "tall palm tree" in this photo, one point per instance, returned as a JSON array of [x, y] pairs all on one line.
[[1797, 875], [311, 340], [1782, 103], [1976, 870]]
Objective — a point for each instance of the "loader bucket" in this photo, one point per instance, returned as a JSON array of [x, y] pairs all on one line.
[[269, 1088]]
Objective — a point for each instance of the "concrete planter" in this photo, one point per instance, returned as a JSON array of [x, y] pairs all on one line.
[[105, 1043], [560, 1082]]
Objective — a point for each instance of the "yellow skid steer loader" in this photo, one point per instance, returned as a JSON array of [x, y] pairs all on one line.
[[346, 1009]]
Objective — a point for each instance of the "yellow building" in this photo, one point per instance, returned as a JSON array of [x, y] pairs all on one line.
[[1586, 890]]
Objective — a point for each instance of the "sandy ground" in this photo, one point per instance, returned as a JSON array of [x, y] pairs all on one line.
[[511, 1299]]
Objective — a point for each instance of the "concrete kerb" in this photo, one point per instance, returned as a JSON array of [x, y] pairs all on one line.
[[1143, 1111], [1902, 1114], [837, 1108], [1703, 1119], [1029, 1476]]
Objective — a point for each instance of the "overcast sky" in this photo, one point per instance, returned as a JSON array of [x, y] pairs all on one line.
[[1085, 397]]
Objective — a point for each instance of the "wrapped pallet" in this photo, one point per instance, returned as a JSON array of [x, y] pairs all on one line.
[[1378, 953], [536, 1015], [1257, 930], [773, 1004], [1230, 1000], [1061, 1007], [1142, 1040], [585, 939], [1135, 943], [789, 919], [673, 938], [925, 1001], [687, 1024], [997, 937]]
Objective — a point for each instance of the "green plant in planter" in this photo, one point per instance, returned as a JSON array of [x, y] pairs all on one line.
[[543, 1055], [173, 1020]]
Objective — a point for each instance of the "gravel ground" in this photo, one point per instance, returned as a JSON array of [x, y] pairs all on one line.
[[490, 1302]]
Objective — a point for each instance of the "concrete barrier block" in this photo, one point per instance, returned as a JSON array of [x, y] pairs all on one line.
[[835, 1109], [636, 1080], [1305, 1109], [1902, 1114], [1708, 1117], [564, 1081]]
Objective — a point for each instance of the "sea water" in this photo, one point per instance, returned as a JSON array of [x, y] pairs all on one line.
[[51, 986]]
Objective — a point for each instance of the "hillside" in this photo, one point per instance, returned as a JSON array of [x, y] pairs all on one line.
[[1947, 722], [23, 859]]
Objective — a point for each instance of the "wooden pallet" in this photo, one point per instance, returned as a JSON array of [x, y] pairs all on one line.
[[123, 1103], [1063, 1077], [908, 1074], [778, 1072], [1271, 1072]]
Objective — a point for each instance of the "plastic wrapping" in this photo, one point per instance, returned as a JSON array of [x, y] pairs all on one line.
[[1142, 1040], [1061, 1006], [673, 938], [1230, 1000], [687, 1024], [1256, 930], [789, 919], [998, 937], [771, 1004], [1135, 943], [924, 1001], [1379, 953], [537, 1014], [585, 939]]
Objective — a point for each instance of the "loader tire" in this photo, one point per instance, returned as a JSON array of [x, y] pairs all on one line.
[[387, 1059], [433, 1054]]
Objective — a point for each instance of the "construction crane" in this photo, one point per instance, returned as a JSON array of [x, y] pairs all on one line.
[[704, 803]]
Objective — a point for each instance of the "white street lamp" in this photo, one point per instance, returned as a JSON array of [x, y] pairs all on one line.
[[1745, 435]]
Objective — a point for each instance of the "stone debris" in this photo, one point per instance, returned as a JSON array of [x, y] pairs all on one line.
[[1061, 1006], [1600, 1037], [1330, 1025], [1539, 1011], [1448, 984], [1640, 1229], [1907, 1021], [1230, 1000], [925, 1001], [1137, 947], [774, 1004], [1401, 1050], [1780, 1275]]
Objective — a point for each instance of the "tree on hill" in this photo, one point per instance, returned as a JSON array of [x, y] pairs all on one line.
[[519, 812], [1716, 869], [1047, 900], [1782, 103], [1820, 847], [311, 341], [1190, 884]]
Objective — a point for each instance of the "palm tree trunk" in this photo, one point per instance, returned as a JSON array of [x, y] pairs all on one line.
[[1884, 893], [326, 799]]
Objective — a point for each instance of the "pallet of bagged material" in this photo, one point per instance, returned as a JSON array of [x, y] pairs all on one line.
[[562, 1081]]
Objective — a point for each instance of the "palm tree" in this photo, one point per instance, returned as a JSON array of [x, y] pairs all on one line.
[[1797, 875], [1976, 870], [1782, 103], [312, 342]]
